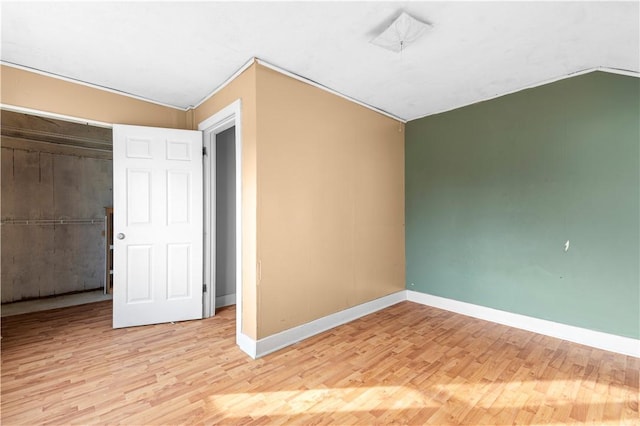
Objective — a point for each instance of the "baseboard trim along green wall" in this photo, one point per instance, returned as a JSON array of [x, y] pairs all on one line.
[[530, 204], [595, 339]]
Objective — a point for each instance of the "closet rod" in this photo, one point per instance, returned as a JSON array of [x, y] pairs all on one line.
[[90, 221]]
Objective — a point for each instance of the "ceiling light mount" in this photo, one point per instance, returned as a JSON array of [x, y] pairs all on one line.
[[404, 30]]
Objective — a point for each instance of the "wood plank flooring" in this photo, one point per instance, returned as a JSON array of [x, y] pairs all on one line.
[[407, 364]]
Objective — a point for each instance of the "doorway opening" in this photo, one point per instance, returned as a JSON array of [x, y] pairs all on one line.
[[56, 183], [229, 118], [225, 218], [222, 212]]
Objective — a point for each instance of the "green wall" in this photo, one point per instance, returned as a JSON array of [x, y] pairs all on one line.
[[493, 191]]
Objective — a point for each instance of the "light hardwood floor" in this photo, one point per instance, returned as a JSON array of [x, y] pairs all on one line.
[[406, 364]]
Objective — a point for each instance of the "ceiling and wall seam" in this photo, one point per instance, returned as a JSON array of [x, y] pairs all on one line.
[[618, 71], [326, 89], [91, 85], [290, 74], [46, 114], [225, 83], [216, 90]]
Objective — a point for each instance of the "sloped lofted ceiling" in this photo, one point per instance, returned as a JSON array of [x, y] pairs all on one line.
[[177, 53]]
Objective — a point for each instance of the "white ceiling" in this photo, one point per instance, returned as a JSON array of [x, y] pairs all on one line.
[[177, 53]]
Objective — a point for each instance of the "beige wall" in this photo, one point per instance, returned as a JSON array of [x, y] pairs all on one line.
[[35, 91], [330, 203], [243, 88], [38, 92], [322, 190]]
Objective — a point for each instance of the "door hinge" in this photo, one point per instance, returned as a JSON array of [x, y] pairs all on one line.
[[204, 150], [204, 288]]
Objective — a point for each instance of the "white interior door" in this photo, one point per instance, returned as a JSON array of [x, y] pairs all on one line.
[[158, 225]]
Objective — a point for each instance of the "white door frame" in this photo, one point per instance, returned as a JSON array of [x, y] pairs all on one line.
[[224, 119]]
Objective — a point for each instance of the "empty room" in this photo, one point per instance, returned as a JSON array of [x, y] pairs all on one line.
[[320, 213]]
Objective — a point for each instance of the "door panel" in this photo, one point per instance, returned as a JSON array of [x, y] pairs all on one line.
[[157, 195], [138, 187]]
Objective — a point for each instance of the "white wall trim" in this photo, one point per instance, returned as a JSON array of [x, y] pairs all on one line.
[[327, 89], [226, 300], [251, 61], [223, 119], [619, 71], [225, 83], [628, 73], [583, 336], [229, 116], [246, 344], [47, 114], [91, 85], [293, 335]]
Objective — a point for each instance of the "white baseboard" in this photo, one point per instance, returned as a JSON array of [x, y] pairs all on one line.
[[246, 344], [293, 335], [596, 339], [226, 300]]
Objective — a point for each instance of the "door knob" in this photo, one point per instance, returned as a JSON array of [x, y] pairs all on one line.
[[120, 236]]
